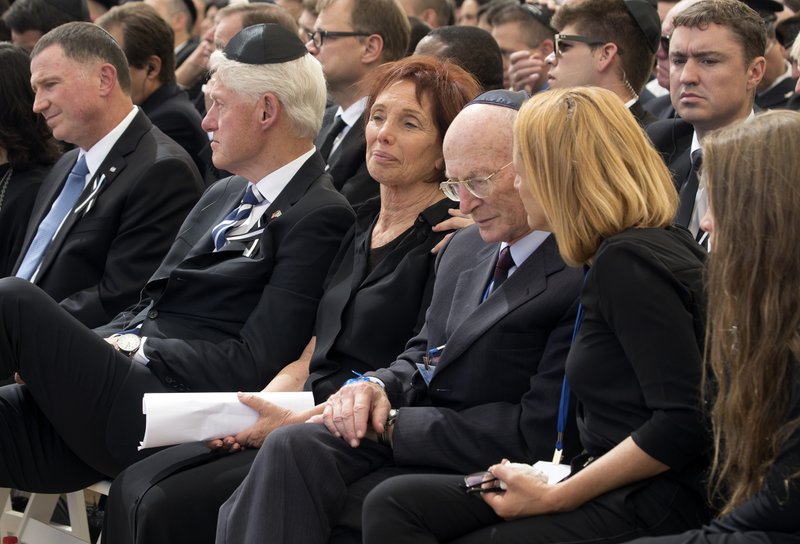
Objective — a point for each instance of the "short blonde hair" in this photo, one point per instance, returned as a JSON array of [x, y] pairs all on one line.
[[592, 168]]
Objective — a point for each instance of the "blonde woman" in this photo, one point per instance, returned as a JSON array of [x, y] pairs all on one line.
[[587, 173]]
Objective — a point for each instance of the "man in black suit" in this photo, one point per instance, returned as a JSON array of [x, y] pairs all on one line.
[[29, 20], [777, 85], [609, 44], [351, 39], [717, 60], [94, 239], [146, 39], [481, 381], [231, 304], [180, 15]]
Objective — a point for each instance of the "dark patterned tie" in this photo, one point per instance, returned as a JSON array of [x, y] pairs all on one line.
[[504, 263], [327, 145], [49, 226], [689, 190], [234, 219]]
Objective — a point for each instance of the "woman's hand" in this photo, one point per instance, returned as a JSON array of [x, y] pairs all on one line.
[[526, 494], [457, 221], [270, 417]]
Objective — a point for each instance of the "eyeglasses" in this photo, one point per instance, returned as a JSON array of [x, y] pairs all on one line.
[[319, 36], [664, 41], [574, 38], [478, 187]]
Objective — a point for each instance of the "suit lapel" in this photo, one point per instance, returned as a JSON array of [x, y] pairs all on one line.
[[527, 282], [111, 167]]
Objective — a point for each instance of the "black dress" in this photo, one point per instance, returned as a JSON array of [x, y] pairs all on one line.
[[16, 203], [365, 317]]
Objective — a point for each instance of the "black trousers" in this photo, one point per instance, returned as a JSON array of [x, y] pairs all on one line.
[[300, 486], [79, 417], [430, 509]]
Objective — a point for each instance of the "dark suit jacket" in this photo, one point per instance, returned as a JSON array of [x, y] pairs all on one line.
[[672, 138], [778, 96], [99, 261], [642, 116], [222, 321], [183, 54], [347, 164], [497, 385], [171, 111], [661, 107]]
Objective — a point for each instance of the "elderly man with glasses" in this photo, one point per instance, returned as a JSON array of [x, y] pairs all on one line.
[[481, 380]]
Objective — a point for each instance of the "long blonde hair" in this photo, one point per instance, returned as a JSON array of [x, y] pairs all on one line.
[[754, 291], [592, 168]]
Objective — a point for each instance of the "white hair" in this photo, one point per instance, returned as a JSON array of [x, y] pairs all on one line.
[[795, 51], [298, 84]]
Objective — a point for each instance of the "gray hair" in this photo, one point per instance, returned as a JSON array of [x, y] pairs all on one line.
[[298, 84]]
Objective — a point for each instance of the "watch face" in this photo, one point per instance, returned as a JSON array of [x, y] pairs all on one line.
[[128, 343]]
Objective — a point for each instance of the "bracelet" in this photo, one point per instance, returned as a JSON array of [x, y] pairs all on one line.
[[361, 378]]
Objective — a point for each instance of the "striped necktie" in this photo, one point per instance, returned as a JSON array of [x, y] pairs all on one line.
[[234, 219]]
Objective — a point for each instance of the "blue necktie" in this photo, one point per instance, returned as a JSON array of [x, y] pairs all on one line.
[[234, 219], [49, 225]]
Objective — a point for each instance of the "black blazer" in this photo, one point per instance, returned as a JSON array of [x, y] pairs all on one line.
[[183, 54], [99, 261], [366, 317], [347, 164], [497, 385], [661, 107], [170, 110], [223, 321], [17, 202], [778, 96], [672, 138], [642, 116]]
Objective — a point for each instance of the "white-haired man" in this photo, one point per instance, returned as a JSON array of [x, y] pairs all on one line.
[[232, 303]]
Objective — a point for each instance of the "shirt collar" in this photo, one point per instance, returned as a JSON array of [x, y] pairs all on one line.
[[696, 142], [352, 114], [271, 185], [98, 152], [525, 246]]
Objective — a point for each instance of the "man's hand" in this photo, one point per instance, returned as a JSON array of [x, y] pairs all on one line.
[[270, 417], [113, 341], [356, 409], [528, 71]]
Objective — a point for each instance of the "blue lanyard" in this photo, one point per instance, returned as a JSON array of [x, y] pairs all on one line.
[[563, 403]]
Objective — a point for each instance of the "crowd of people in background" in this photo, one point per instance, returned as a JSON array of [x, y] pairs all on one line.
[[534, 260]]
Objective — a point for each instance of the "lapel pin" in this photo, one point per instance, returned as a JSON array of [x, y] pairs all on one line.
[[112, 169], [275, 214]]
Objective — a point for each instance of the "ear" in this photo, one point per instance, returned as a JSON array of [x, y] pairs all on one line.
[[269, 110], [373, 49], [546, 47], [153, 67], [438, 164], [429, 16], [108, 79], [755, 72], [605, 56]]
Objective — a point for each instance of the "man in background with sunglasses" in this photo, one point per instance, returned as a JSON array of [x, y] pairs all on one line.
[[351, 38], [609, 44], [481, 380]]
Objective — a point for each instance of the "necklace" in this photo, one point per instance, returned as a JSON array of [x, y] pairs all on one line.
[[4, 185]]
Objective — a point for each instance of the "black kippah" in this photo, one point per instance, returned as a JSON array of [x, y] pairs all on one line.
[[646, 16], [502, 98], [77, 9], [540, 12], [265, 44], [767, 9]]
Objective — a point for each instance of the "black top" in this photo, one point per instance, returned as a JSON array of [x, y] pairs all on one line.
[[15, 211], [366, 317], [772, 515], [635, 366]]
